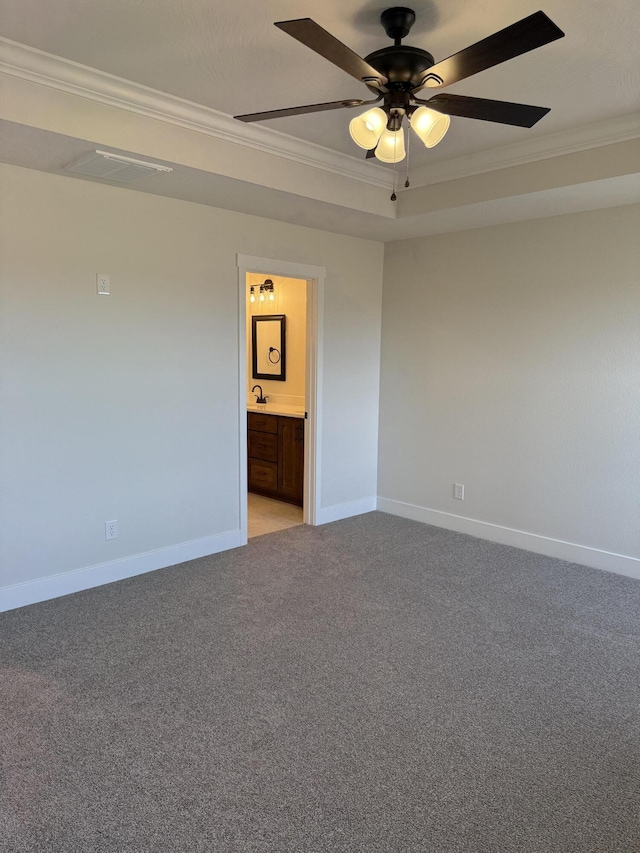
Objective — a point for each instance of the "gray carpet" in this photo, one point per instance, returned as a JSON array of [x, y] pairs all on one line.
[[371, 685]]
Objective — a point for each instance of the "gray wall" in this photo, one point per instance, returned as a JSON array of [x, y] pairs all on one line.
[[511, 364], [126, 407]]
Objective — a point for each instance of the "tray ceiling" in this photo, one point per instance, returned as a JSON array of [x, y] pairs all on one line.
[[160, 80], [231, 58]]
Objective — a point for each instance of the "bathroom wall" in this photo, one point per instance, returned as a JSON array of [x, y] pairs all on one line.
[[290, 300]]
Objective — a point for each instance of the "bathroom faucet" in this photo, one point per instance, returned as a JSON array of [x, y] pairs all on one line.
[[260, 398]]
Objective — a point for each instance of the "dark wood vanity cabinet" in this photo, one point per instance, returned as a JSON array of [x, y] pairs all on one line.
[[275, 448], [290, 459]]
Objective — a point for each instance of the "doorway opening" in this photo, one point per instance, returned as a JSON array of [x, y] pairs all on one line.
[[276, 401], [279, 381]]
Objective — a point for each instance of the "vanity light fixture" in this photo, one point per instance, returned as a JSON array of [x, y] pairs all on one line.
[[262, 292]]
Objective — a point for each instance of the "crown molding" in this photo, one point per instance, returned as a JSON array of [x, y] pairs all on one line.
[[568, 141], [29, 63], [37, 66]]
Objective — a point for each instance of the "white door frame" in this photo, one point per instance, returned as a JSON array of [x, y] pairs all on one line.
[[315, 278]]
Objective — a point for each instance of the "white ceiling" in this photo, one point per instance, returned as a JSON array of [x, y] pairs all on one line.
[[229, 57]]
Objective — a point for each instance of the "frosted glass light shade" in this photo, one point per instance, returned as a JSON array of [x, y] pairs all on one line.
[[390, 148], [430, 125], [366, 129]]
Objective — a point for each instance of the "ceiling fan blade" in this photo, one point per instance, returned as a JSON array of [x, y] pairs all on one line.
[[298, 111], [314, 36], [521, 37], [370, 153], [503, 112]]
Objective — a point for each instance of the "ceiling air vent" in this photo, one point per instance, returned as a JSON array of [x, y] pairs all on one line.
[[114, 167]]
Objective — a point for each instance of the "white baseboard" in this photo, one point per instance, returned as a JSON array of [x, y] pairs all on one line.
[[339, 511], [606, 560], [54, 586]]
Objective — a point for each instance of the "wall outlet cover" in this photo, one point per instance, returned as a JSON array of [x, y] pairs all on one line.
[[103, 284]]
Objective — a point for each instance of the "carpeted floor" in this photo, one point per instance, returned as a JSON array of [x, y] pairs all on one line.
[[370, 685]]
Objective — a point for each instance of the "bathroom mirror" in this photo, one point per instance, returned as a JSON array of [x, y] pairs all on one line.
[[268, 347]]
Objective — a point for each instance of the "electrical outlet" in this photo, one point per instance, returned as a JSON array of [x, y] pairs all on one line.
[[111, 530], [458, 491], [103, 284]]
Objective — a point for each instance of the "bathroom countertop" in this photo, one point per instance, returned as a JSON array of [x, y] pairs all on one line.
[[277, 409]]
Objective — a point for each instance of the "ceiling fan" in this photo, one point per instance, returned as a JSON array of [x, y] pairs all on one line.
[[396, 74]]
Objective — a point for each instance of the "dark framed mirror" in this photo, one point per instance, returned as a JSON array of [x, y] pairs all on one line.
[[268, 347]]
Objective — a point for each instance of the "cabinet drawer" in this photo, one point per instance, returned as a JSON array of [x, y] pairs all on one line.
[[262, 445], [263, 476], [262, 423]]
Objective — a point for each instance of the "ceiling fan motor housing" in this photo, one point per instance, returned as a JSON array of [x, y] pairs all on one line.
[[404, 66]]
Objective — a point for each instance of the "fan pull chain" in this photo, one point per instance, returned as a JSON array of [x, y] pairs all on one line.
[[395, 170], [406, 183]]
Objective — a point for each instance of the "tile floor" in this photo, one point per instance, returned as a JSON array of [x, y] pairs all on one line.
[[267, 515]]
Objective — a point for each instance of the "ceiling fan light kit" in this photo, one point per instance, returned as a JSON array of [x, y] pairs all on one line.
[[366, 129], [429, 125], [397, 73], [390, 148]]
